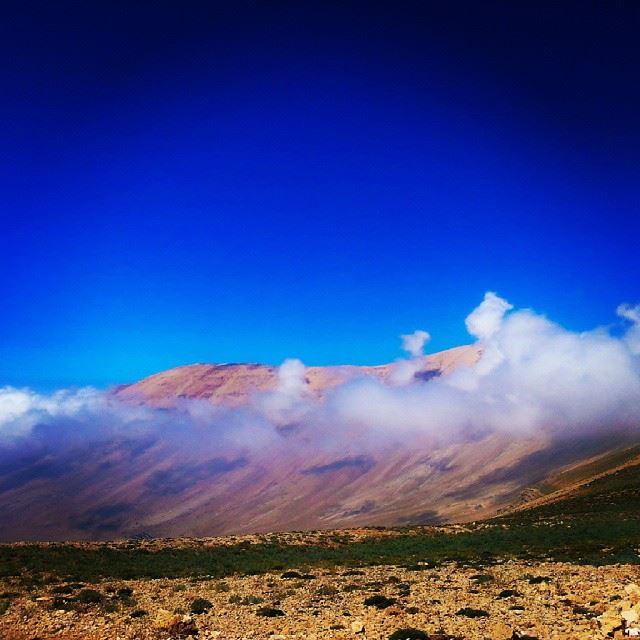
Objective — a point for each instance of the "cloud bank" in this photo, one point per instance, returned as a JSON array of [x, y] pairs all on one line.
[[533, 376]]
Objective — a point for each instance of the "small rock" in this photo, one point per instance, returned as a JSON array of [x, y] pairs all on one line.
[[357, 626], [500, 631]]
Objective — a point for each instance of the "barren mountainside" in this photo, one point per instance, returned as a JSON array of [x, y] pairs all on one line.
[[233, 384], [147, 483]]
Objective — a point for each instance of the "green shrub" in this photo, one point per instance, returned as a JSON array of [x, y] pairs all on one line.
[[482, 578], [289, 575], [63, 588], [470, 612], [89, 596], [4, 606], [222, 587], [379, 602], [508, 593], [63, 603], [409, 634], [138, 613], [268, 612], [200, 605], [246, 600], [538, 579]]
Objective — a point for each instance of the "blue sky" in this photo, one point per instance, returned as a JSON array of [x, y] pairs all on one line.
[[216, 183]]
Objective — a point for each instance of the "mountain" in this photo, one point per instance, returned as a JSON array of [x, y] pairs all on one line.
[[233, 384], [164, 484]]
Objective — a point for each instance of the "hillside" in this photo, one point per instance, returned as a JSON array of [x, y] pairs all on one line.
[[157, 483], [568, 566]]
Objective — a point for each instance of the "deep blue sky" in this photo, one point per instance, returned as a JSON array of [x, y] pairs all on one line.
[[217, 182]]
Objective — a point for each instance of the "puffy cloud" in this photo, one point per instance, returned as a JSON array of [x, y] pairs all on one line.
[[290, 401], [413, 343], [404, 371], [631, 313], [484, 321], [632, 336], [533, 376]]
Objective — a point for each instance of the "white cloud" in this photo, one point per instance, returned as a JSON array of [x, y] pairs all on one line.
[[632, 336], [533, 376], [413, 343], [484, 321]]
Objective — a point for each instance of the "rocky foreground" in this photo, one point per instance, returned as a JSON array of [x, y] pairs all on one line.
[[513, 599]]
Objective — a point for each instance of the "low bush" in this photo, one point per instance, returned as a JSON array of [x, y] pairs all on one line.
[[268, 612], [470, 612], [409, 634], [89, 596], [379, 602], [482, 578], [246, 600], [200, 605]]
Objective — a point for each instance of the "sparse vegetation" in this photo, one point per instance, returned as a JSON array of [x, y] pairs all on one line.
[[482, 578], [268, 612], [379, 602], [245, 600], [470, 612], [89, 596], [290, 575], [409, 634], [200, 605]]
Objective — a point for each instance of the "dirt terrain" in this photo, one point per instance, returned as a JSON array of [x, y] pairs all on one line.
[[545, 601]]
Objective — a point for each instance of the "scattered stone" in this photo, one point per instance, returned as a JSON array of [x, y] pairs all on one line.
[[629, 616], [357, 626], [500, 631], [177, 626], [508, 593], [574, 602]]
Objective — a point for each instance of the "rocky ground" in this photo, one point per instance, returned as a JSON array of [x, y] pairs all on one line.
[[498, 602]]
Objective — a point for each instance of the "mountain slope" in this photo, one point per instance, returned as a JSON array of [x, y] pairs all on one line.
[[610, 480], [154, 483]]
